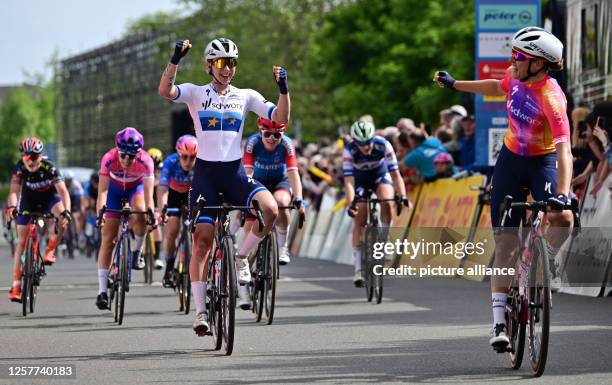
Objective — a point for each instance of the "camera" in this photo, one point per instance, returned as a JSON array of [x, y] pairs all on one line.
[[582, 127]]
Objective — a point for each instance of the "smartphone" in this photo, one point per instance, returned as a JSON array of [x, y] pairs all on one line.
[[582, 129]]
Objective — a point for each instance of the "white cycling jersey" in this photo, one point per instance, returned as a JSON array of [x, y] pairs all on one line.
[[219, 120]]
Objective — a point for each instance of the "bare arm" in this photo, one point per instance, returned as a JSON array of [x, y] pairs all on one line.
[[489, 87], [282, 111], [148, 193], [296, 184], [64, 194], [162, 196], [103, 185], [166, 88], [564, 168], [398, 183], [349, 189], [14, 191]]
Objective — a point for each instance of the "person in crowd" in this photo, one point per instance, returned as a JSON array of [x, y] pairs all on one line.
[[444, 165], [424, 151], [467, 148]]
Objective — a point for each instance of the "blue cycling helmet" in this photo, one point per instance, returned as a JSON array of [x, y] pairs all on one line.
[[129, 141]]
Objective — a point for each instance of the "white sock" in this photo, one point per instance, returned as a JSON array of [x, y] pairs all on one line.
[[102, 280], [499, 307], [198, 288], [138, 241], [234, 226], [357, 258], [281, 238], [249, 244], [16, 283]]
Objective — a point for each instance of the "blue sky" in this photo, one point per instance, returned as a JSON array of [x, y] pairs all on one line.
[[32, 30]]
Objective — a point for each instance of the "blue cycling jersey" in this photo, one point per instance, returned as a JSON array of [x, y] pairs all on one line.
[[269, 166], [173, 175], [375, 164]]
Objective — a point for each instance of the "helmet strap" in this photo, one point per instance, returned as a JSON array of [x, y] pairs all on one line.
[[531, 74]]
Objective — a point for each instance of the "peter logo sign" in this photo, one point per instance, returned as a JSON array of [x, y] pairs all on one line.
[[506, 16]]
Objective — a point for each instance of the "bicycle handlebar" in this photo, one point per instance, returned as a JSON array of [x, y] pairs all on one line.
[[225, 207], [301, 218], [35, 215]]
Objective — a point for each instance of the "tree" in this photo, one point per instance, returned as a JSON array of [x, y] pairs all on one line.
[[379, 57]]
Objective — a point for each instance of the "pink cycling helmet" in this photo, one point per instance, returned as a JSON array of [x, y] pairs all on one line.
[[187, 145], [129, 141]]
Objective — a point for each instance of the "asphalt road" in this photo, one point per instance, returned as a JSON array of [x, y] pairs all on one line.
[[425, 331]]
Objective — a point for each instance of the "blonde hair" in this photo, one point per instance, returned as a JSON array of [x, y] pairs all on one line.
[[579, 114]]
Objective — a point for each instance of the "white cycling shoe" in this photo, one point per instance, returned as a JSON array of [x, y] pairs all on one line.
[[499, 340], [200, 325], [358, 279], [283, 256], [244, 271], [244, 298]]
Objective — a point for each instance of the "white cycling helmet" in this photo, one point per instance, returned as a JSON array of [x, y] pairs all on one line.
[[362, 131], [220, 48], [540, 43]]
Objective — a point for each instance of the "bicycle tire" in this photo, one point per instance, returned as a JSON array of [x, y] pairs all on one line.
[[148, 257], [270, 287], [516, 327], [228, 306], [366, 264], [539, 306], [123, 276], [186, 279], [378, 286], [37, 271], [180, 269], [215, 315], [26, 277], [260, 278]]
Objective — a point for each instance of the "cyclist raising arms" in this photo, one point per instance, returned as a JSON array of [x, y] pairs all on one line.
[[173, 190], [36, 186], [369, 164], [126, 172], [536, 153], [218, 110]]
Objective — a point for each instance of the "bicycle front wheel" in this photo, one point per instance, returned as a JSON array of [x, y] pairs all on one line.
[[539, 302], [26, 277], [271, 275], [366, 262], [228, 306], [148, 257], [123, 277], [186, 279], [516, 327]]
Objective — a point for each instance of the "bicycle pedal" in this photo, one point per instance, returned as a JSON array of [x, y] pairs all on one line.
[[202, 333]]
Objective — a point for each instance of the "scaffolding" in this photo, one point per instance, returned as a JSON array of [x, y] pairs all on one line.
[[106, 89]]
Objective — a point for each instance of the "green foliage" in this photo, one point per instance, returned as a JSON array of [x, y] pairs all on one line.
[[21, 115], [379, 57], [344, 58]]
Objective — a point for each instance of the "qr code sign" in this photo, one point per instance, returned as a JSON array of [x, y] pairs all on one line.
[[496, 141]]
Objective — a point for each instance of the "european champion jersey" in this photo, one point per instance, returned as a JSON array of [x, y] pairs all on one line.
[[142, 167], [537, 117], [269, 166], [219, 120], [378, 162], [173, 175]]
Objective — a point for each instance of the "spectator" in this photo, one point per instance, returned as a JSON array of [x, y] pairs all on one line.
[[424, 150], [467, 150], [602, 129], [444, 165], [405, 124]]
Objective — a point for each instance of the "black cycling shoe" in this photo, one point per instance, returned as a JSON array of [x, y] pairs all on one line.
[[168, 280], [102, 301], [138, 262]]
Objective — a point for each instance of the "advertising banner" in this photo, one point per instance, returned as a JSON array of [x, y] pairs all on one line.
[[496, 24]]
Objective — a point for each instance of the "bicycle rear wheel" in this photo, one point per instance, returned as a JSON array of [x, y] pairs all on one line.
[[516, 327], [228, 299], [539, 297], [271, 275], [123, 277]]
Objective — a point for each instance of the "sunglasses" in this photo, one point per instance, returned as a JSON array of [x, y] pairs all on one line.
[[276, 135], [519, 56], [225, 61], [32, 157], [364, 144], [124, 155], [188, 158]]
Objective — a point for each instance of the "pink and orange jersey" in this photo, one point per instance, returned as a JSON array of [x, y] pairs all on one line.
[[141, 168], [537, 117]]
